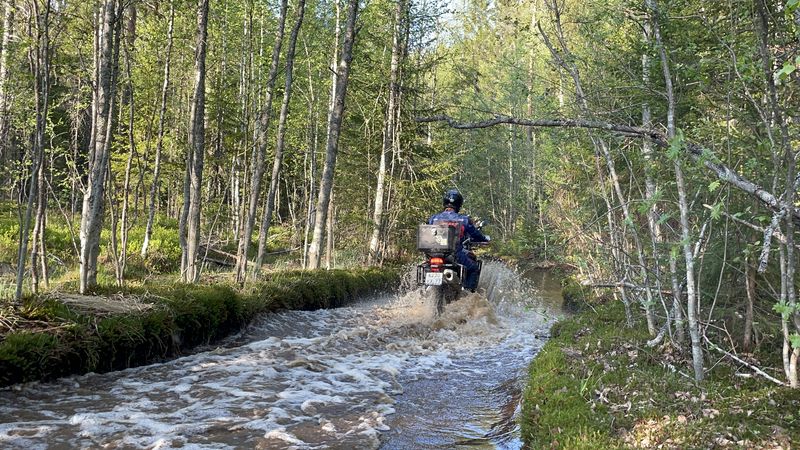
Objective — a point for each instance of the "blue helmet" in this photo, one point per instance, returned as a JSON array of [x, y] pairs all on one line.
[[453, 199]]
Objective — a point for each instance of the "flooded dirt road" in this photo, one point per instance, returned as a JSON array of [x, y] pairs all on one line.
[[382, 373]]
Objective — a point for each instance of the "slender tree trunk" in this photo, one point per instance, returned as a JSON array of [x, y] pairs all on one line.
[[654, 214], [683, 203], [151, 214], [261, 130], [281, 140], [8, 29], [39, 272], [312, 157], [330, 261], [122, 256], [334, 127], [92, 211], [39, 59], [777, 119], [37, 150], [194, 163], [378, 219], [750, 287]]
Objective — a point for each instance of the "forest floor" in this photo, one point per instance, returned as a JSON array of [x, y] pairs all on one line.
[[596, 384]]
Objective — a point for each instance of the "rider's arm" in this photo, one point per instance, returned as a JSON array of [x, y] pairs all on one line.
[[474, 233]]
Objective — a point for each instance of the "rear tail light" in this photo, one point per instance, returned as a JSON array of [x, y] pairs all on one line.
[[435, 263]]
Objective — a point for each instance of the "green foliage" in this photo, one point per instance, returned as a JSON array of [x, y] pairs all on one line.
[[794, 339], [163, 251], [789, 67], [784, 309], [9, 242], [676, 145], [576, 296]]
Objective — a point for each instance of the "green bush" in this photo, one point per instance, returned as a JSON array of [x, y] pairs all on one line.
[[9, 242]]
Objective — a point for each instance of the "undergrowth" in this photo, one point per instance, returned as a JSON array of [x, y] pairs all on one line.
[[596, 384]]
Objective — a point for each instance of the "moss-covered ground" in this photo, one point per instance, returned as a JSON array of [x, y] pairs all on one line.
[[596, 384], [44, 338]]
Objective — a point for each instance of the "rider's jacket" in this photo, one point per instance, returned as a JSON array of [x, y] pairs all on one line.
[[462, 223]]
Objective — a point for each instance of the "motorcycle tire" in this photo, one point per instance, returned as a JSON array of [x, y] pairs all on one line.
[[445, 294]]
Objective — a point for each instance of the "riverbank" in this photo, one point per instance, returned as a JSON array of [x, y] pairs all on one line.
[[595, 384], [55, 335]]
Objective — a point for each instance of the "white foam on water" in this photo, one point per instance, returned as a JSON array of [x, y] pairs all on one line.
[[307, 380]]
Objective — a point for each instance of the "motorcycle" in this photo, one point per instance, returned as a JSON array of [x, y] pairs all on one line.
[[441, 271]]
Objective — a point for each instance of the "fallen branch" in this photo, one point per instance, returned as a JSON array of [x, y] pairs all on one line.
[[233, 257], [659, 338], [218, 261], [696, 151], [622, 284], [743, 362]]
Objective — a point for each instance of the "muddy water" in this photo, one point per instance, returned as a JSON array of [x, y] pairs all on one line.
[[382, 373]]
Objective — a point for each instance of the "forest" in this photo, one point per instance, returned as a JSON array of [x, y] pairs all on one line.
[[648, 146]]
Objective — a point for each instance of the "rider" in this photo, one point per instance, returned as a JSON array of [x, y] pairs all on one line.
[[452, 202]]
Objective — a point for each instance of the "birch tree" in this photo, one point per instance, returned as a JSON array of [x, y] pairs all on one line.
[[154, 187], [334, 129], [281, 138], [9, 8], [378, 219], [39, 60], [259, 155], [100, 147], [196, 151]]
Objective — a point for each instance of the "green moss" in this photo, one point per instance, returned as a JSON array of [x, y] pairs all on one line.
[[24, 356], [575, 295], [182, 316], [596, 384]]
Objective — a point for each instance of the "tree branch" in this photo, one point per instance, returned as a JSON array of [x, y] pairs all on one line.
[[696, 151], [622, 284], [755, 369], [774, 232]]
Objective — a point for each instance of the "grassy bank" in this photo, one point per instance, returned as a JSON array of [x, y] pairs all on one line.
[[161, 322], [596, 384]]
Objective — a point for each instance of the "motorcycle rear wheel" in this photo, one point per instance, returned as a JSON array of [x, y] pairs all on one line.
[[445, 294]]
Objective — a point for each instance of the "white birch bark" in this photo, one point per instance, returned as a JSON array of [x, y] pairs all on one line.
[[196, 148], [92, 210], [281, 139], [334, 127], [378, 218]]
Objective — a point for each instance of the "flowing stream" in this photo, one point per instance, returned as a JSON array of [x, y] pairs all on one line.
[[382, 373]]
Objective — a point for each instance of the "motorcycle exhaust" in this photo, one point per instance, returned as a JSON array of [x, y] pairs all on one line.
[[449, 274]]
